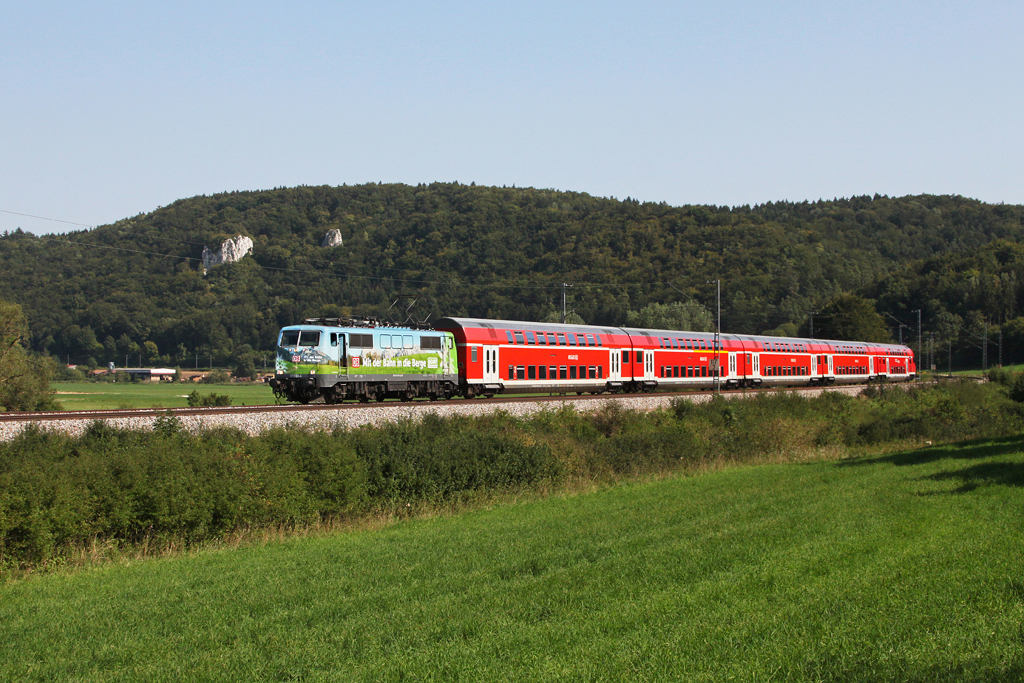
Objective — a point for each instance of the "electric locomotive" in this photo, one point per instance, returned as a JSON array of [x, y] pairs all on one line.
[[343, 359]]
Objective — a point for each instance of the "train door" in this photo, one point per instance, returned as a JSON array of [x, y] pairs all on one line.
[[649, 365], [490, 364], [337, 352], [614, 366], [732, 365]]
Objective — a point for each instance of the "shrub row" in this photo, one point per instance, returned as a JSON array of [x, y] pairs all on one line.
[[168, 485]]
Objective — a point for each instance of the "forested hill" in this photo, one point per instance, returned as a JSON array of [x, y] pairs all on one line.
[[137, 287]]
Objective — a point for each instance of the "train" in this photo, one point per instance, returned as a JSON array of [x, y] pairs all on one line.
[[362, 360]]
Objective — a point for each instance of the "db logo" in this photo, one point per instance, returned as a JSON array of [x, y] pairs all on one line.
[[356, 361], [296, 359]]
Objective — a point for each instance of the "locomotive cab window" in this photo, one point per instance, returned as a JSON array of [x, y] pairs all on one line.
[[309, 338], [334, 338], [430, 343], [290, 338]]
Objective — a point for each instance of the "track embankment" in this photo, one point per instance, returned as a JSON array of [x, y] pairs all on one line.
[[256, 419]]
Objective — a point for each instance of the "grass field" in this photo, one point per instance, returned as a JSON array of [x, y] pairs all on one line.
[[100, 395], [904, 567]]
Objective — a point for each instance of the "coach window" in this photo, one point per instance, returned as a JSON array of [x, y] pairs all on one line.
[[600, 372], [543, 372], [473, 354], [590, 340], [531, 372], [625, 357], [561, 371], [583, 372], [572, 338], [561, 339], [530, 339], [511, 372], [662, 371], [520, 372], [510, 339], [639, 356], [553, 371], [519, 338], [541, 339], [407, 341], [572, 372]]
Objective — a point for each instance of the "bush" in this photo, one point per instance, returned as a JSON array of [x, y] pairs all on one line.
[[1017, 388], [216, 377], [195, 400], [170, 486]]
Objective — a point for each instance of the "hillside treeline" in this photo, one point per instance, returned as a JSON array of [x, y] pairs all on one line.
[[135, 291]]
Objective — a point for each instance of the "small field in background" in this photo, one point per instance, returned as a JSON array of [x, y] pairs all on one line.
[[108, 396], [900, 567]]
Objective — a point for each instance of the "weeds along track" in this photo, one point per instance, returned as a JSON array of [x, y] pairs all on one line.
[[255, 419]]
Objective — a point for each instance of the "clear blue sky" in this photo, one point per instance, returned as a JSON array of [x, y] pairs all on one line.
[[111, 109]]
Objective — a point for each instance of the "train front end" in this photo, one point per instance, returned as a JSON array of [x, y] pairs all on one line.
[[309, 359]]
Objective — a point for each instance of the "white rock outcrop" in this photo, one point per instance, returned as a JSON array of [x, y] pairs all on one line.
[[232, 250], [332, 239]]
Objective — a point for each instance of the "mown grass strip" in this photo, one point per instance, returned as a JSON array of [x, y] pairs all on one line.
[[110, 396], [901, 567]]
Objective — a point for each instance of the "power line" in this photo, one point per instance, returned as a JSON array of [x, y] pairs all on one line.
[[44, 218]]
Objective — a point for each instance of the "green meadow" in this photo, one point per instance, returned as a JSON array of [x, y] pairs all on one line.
[[904, 566], [115, 395]]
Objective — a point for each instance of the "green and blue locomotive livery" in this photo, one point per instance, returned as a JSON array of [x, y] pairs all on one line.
[[343, 359]]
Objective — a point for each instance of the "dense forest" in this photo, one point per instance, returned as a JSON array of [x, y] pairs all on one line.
[[136, 290]]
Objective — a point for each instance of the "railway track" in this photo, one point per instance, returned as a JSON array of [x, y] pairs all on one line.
[[401, 406]]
